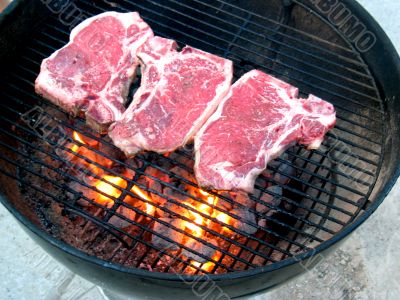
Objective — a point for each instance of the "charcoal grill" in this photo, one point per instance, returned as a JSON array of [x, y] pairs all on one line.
[[331, 191]]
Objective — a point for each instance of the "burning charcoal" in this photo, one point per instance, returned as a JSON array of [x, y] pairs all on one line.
[[157, 174], [108, 150], [243, 199], [222, 203], [273, 200], [181, 173], [262, 222], [201, 248], [284, 171], [155, 185], [76, 186], [168, 232], [276, 163], [130, 173], [134, 163], [66, 155], [174, 194], [119, 222], [244, 217], [182, 159], [288, 206], [177, 210], [83, 137]]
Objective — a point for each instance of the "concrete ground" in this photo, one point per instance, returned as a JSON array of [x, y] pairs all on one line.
[[367, 266]]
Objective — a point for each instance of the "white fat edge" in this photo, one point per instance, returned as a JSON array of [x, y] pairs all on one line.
[[221, 91], [126, 145], [247, 183], [215, 117], [44, 83], [228, 176]]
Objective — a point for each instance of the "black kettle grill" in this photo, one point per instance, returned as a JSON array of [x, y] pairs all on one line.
[[333, 49]]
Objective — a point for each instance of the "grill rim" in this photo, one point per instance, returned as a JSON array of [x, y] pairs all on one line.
[[384, 43]]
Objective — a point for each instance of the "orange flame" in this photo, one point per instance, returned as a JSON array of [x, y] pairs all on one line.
[[77, 137], [108, 189], [207, 266], [203, 192], [150, 209]]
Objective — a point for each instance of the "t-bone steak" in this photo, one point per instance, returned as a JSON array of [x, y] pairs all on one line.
[[178, 93], [259, 118], [93, 72]]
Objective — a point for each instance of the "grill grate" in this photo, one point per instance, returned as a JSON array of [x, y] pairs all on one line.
[[324, 195]]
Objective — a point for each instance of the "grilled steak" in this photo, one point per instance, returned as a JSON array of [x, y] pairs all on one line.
[[259, 118], [179, 92], [93, 72]]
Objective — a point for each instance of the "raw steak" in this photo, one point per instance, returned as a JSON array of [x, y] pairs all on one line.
[[259, 118], [179, 92], [93, 72]]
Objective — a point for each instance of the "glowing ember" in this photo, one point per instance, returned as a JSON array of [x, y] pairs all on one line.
[[108, 189]]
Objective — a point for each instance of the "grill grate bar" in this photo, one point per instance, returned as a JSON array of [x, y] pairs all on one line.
[[319, 200], [315, 163], [297, 41], [289, 188], [263, 45], [329, 134], [358, 124], [111, 227], [154, 178], [152, 191], [193, 184], [352, 132], [308, 212], [122, 163], [261, 189], [316, 175], [312, 162], [165, 171], [277, 32], [298, 31], [346, 141]]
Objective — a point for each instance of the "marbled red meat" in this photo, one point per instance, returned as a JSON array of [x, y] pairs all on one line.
[[178, 93], [93, 72], [259, 118]]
